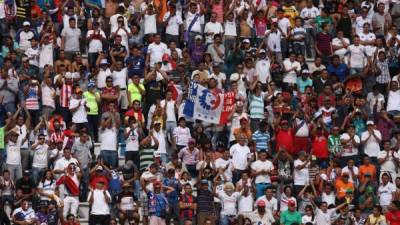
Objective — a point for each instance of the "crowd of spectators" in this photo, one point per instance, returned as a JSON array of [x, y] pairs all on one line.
[[92, 99]]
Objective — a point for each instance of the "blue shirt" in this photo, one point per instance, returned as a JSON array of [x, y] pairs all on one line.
[[262, 139], [157, 202], [341, 71], [302, 84], [136, 65], [174, 183]]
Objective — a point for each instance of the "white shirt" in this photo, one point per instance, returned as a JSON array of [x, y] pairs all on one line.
[[100, 205], [359, 23], [385, 193], [258, 166], [274, 40], [347, 170], [162, 147], [102, 76], [337, 42], [114, 21], [24, 39], [40, 156], [108, 139], [357, 56], [13, 153], [28, 214], [182, 135], [393, 101], [322, 218], [371, 147], [301, 176], [215, 28], [230, 28], [389, 165], [262, 70], [33, 55], [173, 24], [372, 99], [221, 163], [80, 115], [71, 39], [132, 142], [271, 204], [95, 45], [349, 149], [156, 51], [120, 78], [169, 109], [284, 24], [150, 24], [240, 155], [310, 13], [197, 24], [48, 187], [369, 49], [62, 163], [228, 203], [245, 203], [221, 77], [46, 55], [291, 77]]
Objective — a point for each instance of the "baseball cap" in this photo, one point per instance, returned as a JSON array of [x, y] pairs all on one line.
[[262, 51], [284, 122], [198, 37], [370, 122], [26, 23], [192, 141], [27, 173], [261, 203], [305, 71], [103, 61], [99, 168], [291, 203], [247, 41]]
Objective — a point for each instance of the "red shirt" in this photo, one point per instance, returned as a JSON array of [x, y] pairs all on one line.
[[324, 43], [109, 91], [320, 147], [285, 139], [393, 217]]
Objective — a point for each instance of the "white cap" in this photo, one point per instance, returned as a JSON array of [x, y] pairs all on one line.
[[99, 168], [246, 41], [26, 23], [68, 75], [104, 61], [198, 37], [262, 51], [370, 122]]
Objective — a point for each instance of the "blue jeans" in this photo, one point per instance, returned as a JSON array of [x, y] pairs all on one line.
[[310, 34], [355, 70], [169, 128], [260, 189], [15, 171], [225, 220], [110, 157], [84, 184], [37, 174]]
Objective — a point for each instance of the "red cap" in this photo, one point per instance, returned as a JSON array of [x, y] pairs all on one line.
[[156, 183], [291, 203], [284, 122], [261, 203], [165, 57]]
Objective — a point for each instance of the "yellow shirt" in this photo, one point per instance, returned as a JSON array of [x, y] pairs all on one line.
[[134, 92], [291, 13]]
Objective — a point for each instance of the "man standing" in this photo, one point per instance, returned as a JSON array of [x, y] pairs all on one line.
[[70, 37], [99, 199]]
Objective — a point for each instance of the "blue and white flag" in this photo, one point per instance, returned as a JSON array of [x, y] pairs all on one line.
[[188, 110]]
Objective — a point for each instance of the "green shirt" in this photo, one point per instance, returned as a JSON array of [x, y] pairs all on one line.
[[288, 218], [334, 144], [134, 92], [319, 20], [92, 102]]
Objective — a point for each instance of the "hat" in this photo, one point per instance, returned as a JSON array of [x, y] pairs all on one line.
[[305, 71], [91, 85], [27, 173], [370, 122], [126, 185], [26, 23], [157, 122], [103, 61], [284, 122], [198, 37], [204, 181], [192, 141], [68, 75], [291, 203], [156, 183], [99, 168], [261, 203], [246, 41], [262, 51], [165, 57]]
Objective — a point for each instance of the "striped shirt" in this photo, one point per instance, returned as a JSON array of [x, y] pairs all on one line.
[[262, 139], [297, 32], [384, 76], [257, 107], [146, 157], [65, 95]]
